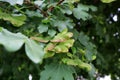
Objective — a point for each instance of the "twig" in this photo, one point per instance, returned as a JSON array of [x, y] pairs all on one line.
[[52, 7], [37, 7]]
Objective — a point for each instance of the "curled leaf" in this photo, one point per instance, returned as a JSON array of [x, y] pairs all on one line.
[[49, 47], [63, 36], [77, 62], [34, 51]]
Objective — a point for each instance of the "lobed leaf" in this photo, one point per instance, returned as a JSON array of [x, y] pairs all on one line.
[[42, 28], [56, 71], [81, 12]]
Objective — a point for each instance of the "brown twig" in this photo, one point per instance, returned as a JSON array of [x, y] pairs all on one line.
[[37, 7], [52, 7]]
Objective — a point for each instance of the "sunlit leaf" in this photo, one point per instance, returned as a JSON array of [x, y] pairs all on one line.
[[63, 46], [61, 37], [49, 47]]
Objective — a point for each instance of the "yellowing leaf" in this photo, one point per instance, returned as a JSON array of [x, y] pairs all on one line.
[[15, 19], [77, 62], [49, 47], [63, 36], [61, 42], [60, 49]]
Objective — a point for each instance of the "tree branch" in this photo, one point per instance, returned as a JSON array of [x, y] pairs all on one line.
[[52, 7]]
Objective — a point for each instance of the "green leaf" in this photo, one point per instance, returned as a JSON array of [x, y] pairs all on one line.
[[61, 37], [77, 62], [81, 12], [34, 51], [49, 47], [64, 46], [56, 71], [61, 42], [49, 54], [66, 9], [63, 24], [51, 32], [39, 3], [42, 28], [16, 19], [0, 29], [11, 41], [107, 1], [13, 2], [90, 49]]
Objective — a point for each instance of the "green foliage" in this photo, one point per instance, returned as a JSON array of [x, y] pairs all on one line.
[[59, 39], [81, 11], [57, 71], [61, 42], [90, 49]]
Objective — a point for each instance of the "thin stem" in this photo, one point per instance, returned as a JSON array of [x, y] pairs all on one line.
[[52, 7]]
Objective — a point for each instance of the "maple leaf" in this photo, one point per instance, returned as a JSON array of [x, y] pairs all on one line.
[[56, 71]]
